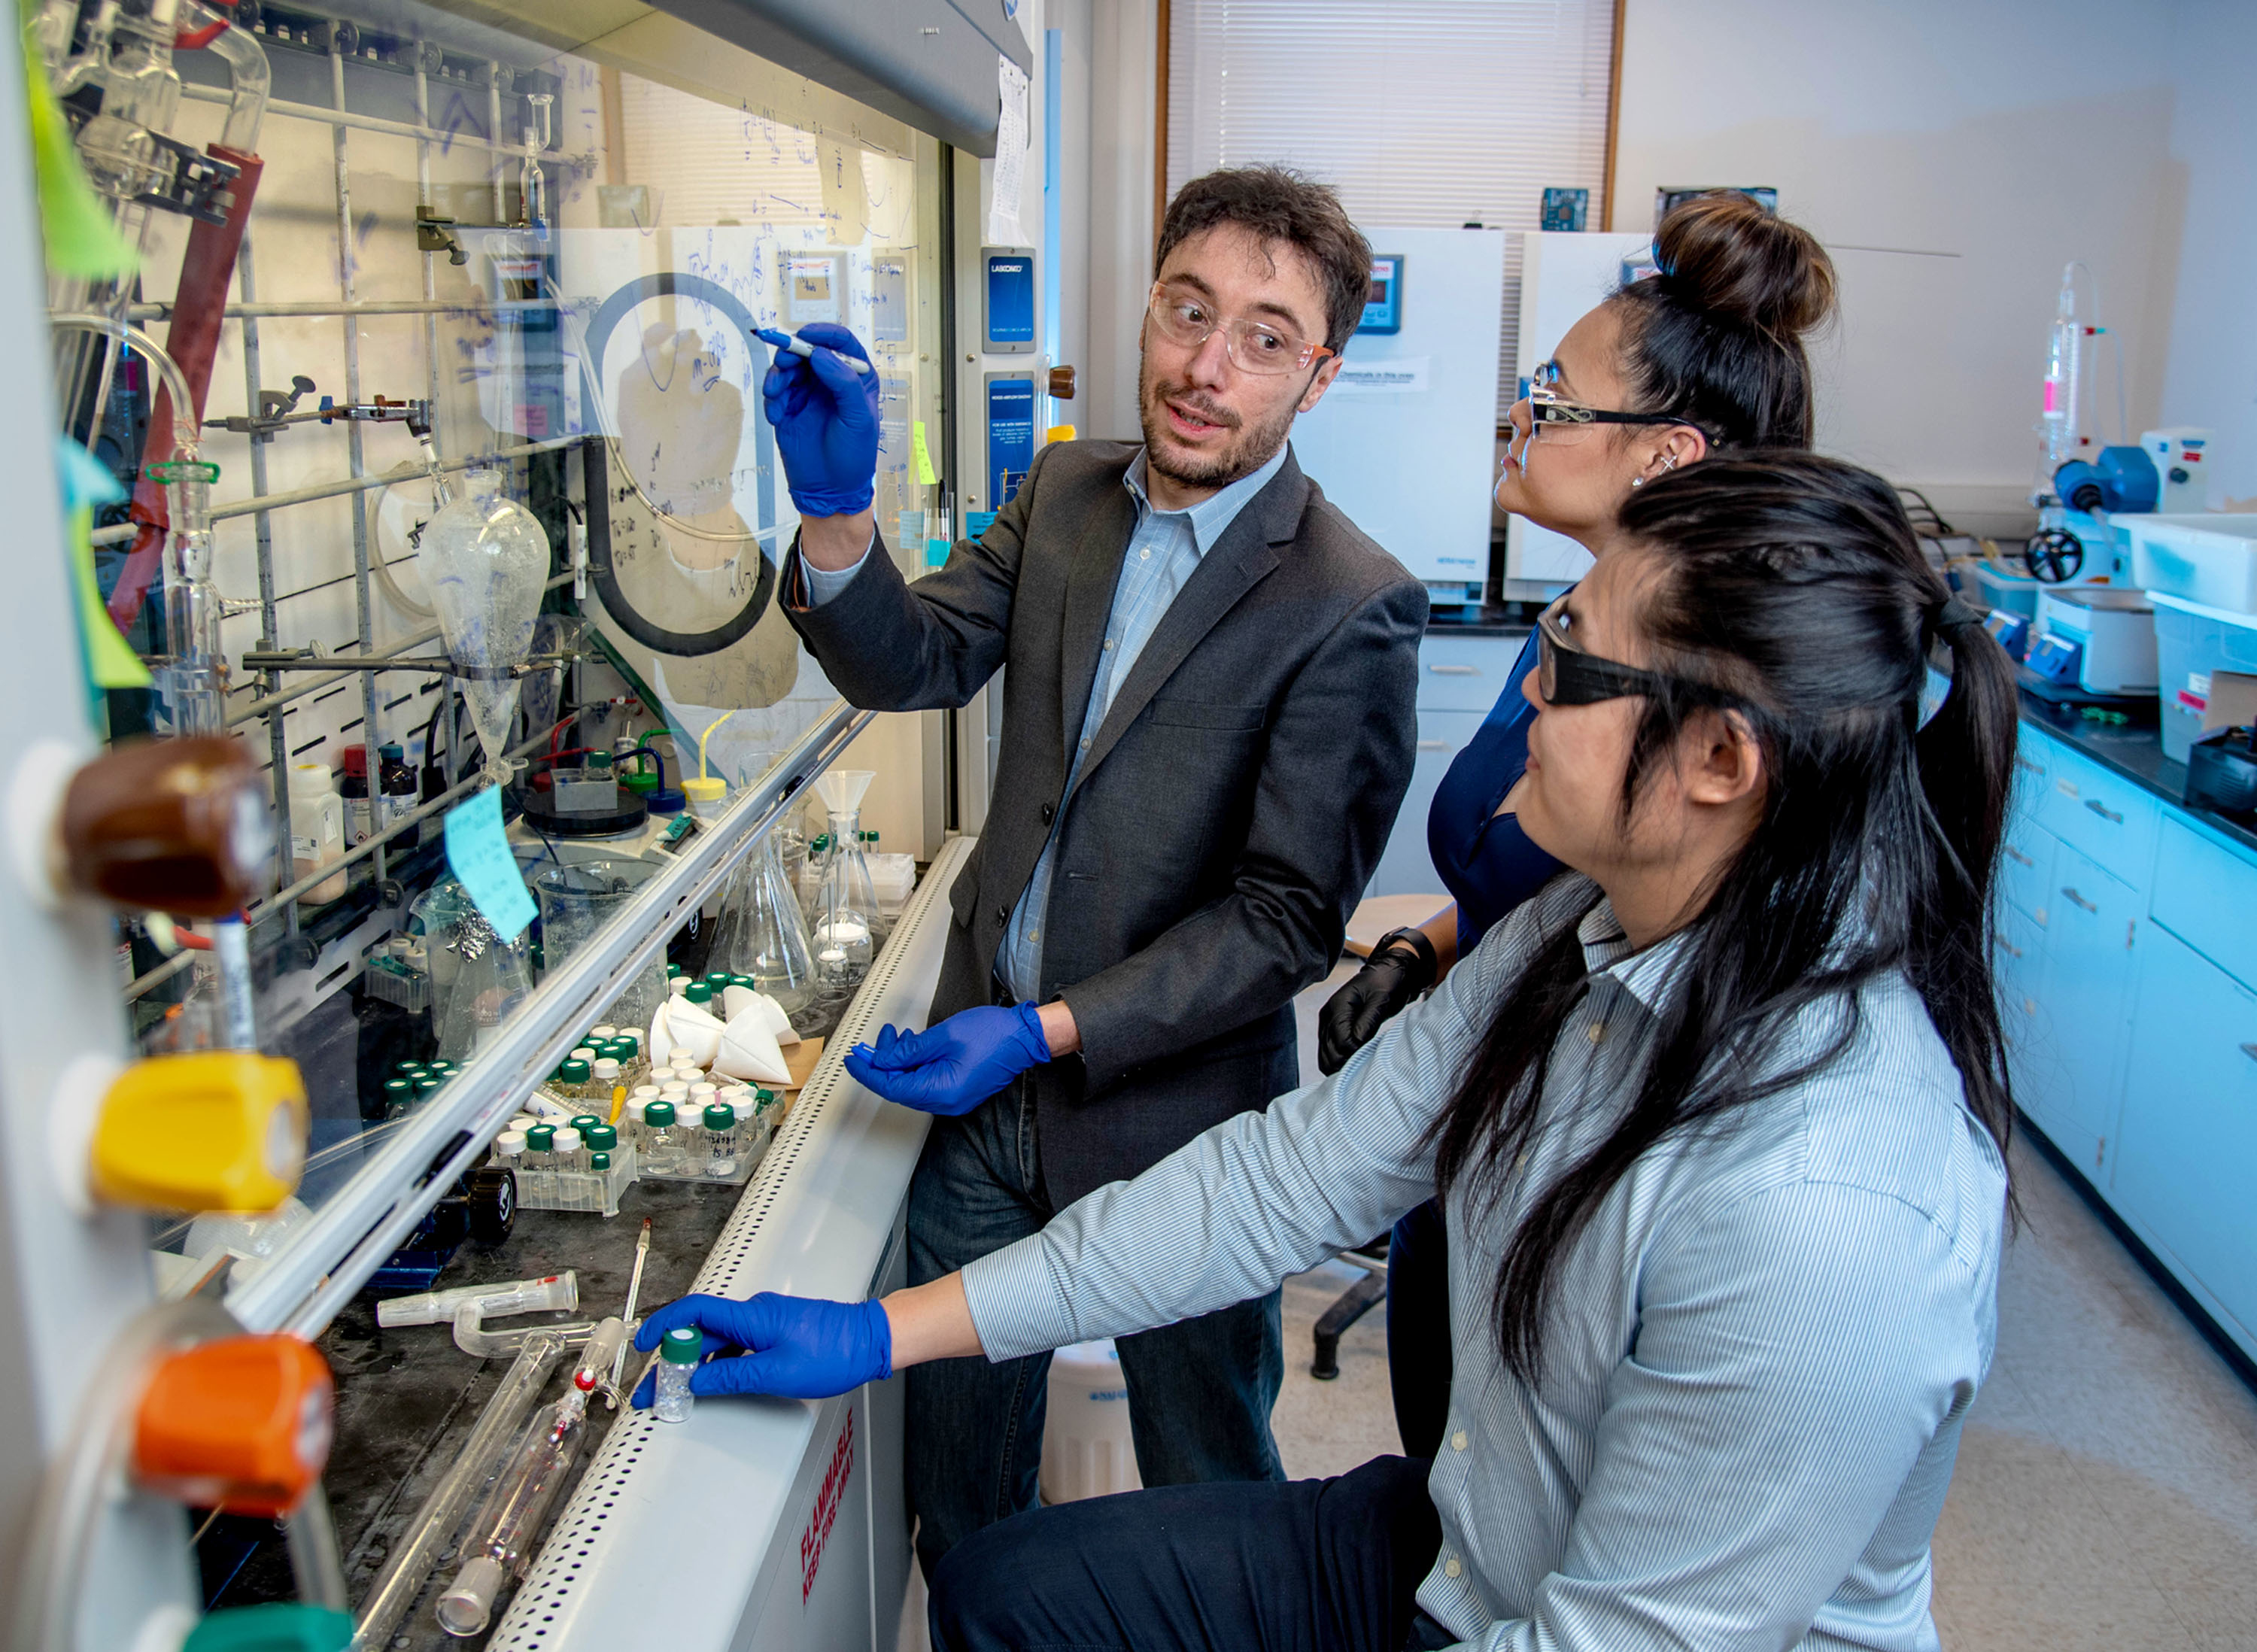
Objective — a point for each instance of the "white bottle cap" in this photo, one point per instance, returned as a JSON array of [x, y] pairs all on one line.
[[671, 1092], [702, 1093], [678, 985], [607, 1071], [646, 1092], [567, 1138], [601, 1034], [509, 1143], [583, 1053], [523, 1121]]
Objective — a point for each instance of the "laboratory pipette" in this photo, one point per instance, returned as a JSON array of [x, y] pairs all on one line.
[[797, 346]]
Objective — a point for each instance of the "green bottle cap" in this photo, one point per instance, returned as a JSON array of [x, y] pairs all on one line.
[[683, 1345], [718, 978], [411, 1070], [766, 1098], [698, 993], [585, 1122], [641, 782], [659, 1115], [276, 1626], [599, 1161], [447, 1066], [745, 981], [573, 1072], [425, 1086], [601, 1138], [541, 1139], [673, 970], [398, 1089], [719, 1115]]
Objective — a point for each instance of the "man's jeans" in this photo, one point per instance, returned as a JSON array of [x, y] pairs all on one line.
[[1199, 1391]]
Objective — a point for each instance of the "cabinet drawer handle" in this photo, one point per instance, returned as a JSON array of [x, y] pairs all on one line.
[[2011, 947], [2105, 813], [2067, 789], [2024, 763], [2250, 1051], [1455, 671], [2015, 854], [1433, 745], [2079, 899]]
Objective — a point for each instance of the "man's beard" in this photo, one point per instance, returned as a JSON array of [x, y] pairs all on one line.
[[1247, 452]]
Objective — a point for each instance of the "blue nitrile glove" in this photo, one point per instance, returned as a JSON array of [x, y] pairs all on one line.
[[826, 419], [794, 1347], [951, 1068]]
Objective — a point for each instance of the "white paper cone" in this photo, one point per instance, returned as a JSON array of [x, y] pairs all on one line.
[[694, 1029], [748, 1051], [738, 1000]]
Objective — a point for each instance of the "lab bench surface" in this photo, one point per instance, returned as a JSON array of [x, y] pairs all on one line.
[[2137, 754], [407, 1398]]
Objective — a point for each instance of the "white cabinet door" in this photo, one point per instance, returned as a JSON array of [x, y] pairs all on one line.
[[1406, 869]]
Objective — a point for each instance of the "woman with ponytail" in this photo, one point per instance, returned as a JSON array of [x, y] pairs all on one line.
[[1718, 1121], [1704, 356]]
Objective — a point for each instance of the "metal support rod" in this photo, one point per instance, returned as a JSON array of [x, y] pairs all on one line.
[[356, 447], [267, 703], [339, 117], [441, 665], [424, 203], [278, 734], [161, 309], [339, 490], [320, 1266], [493, 128]]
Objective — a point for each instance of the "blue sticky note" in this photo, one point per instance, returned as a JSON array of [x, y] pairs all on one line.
[[478, 852]]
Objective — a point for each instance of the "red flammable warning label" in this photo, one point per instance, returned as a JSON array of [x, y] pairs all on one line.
[[825, 1514]]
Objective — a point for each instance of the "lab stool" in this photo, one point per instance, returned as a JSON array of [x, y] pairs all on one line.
[[1351, 1305], [1087, 1451]]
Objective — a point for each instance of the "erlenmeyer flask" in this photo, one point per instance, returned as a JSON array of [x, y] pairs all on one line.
[[490, 983], [762, 934], [484, 558]]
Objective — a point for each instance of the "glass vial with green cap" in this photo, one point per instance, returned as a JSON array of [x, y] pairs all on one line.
[[720, 1141], [679, 1351], [660, 1147]]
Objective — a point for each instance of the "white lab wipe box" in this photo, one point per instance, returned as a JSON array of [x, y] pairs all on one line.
[[1087, 1448]]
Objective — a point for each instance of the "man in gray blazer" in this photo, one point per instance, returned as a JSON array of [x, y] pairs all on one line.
[[1207, 728]]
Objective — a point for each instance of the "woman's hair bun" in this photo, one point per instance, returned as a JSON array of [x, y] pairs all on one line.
[[1723, 253]]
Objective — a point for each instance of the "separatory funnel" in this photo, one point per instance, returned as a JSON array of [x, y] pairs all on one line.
[[484, 559], [762, 934], [847, 929]]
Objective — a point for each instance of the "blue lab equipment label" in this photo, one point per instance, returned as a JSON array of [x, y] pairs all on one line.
[[1010, 299], [479, 853], [975, 523], [1010, 436]]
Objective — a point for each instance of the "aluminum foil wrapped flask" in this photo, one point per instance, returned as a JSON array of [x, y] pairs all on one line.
[[484, 558]]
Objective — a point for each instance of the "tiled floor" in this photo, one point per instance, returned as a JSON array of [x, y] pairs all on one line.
[[2106, 1494]]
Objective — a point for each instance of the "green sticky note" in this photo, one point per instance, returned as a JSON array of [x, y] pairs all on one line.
[[926, 474], [110, 662], [79, 226], [479, 855]]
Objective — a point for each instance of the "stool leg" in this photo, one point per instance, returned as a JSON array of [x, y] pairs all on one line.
[[1354, 1303]]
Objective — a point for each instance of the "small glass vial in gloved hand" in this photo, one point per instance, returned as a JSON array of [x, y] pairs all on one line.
[[678, 1354]]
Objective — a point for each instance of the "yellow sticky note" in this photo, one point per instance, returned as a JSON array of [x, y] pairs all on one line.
[[926, 474], [81, 233]]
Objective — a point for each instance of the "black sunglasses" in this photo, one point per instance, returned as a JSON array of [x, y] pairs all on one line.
[[1567, 676]]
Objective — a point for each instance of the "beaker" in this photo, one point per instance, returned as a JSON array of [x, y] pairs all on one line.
[[478, 978], [577, 903], [762, 934]]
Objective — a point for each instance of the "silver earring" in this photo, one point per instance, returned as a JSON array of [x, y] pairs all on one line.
[[1669, 462], [1637, 481]]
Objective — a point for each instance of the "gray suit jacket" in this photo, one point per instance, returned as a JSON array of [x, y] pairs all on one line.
[[1227, 818]]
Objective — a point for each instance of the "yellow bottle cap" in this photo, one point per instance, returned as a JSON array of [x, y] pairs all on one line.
[[215, 1130]]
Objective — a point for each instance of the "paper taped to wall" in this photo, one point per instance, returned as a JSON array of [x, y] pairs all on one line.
[[1011, 140]]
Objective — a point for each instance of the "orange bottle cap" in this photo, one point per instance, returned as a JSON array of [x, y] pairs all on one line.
[[242, 1424]]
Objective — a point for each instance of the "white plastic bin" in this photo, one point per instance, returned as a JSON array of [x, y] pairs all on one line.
[[1087, 1451], [2193, 640], [2209, 559]]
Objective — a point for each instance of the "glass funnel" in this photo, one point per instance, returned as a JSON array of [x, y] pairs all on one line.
[[847, 927], [577, 903], [484, 559], [762, 932]]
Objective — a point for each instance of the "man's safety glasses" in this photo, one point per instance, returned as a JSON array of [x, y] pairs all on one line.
[[1183, 317], [1568, 675]]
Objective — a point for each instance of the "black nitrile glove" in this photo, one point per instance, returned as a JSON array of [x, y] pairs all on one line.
[[1401, 967]]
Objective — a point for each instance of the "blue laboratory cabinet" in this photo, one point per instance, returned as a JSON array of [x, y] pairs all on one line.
[[2128, 975]]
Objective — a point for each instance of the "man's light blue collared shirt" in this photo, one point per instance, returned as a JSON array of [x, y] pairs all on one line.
[[1164, 550]]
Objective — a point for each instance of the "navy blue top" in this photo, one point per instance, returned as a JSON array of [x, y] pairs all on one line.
[[1485, 860]]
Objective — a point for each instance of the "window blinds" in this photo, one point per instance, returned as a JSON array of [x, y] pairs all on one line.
[[1426, 114]]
